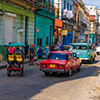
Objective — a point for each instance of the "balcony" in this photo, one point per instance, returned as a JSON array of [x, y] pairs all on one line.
[[28, 4], [67, 14], [80, 2], [72, 20], [82, 25], [47, 6]]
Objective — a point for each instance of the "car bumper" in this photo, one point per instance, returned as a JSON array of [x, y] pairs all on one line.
[[54, 70], [85, 58]]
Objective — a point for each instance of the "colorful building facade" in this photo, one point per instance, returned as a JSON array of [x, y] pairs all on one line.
[[68, 20], [16, 25], [44, 24]]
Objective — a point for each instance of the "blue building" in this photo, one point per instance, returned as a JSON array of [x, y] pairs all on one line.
[[68, 20]]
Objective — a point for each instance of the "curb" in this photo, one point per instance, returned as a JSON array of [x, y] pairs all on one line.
[[97, 85], [27, 61]]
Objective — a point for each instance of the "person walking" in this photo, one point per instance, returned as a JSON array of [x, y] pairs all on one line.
[[62, 47], [52, 47], [47, 49], [26, 49], [31, 51], [59, 43], [40, 54]]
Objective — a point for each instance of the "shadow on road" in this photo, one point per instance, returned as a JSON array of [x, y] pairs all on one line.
[[35, 81], [87, 62]]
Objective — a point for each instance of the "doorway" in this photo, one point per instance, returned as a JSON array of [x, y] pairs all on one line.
[[8, 29]]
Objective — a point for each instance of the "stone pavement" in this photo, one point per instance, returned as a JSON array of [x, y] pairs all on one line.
[[3, 64]]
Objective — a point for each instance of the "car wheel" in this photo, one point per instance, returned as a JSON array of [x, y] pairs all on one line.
[[8, 73], [46, 73], [93, 59], [70, 72], [97, 53], [79, 68]]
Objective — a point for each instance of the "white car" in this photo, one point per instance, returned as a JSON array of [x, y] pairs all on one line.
[[98, 50]]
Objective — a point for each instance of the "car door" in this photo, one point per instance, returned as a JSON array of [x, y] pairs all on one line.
[[76, 60], [72, 61]]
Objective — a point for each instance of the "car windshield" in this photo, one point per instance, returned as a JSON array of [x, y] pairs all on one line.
[[80, 47], [58, 56]]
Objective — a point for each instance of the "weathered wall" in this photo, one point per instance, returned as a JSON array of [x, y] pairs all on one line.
[[18, 23]]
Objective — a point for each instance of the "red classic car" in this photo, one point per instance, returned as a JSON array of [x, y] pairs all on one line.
[[61, 62]]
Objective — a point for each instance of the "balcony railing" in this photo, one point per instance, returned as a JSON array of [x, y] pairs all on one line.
[[29, 4], [47, 6], [80, 2]]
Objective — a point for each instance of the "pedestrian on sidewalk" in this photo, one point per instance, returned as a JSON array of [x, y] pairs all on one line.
[[62, 47], [40, 54], [47, 50], [32, 51], [52, 47], [26, 49], [59, 43]]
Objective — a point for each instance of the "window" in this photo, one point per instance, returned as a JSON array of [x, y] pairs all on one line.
[[90, 47], [26, 28], [39, 41], [80, 47], [67, 6], [75, 56], [58, 56], [70, 7], [72, 56], [47, 40], [64, 4]]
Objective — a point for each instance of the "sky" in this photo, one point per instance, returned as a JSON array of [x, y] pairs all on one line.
[[92, 2]]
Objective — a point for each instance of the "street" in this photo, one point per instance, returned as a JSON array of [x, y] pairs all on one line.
[[34, 85]]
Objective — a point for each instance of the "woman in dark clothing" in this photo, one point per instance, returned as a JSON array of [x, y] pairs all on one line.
[[26, 49], [31, 51]]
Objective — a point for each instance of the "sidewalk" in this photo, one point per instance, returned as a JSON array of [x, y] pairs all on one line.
[[3, 64], [97, 85]]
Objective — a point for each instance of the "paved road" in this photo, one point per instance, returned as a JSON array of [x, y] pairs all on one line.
[[36, 86]]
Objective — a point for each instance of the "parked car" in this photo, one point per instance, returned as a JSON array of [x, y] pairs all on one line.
[[84, 51], [61, 62], [98, 50]]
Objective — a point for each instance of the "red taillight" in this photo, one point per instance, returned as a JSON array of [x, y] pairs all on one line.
[[42, 65], [61, 66], [89, 54]]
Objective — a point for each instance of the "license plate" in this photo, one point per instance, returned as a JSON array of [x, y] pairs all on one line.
[[52, 65]]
